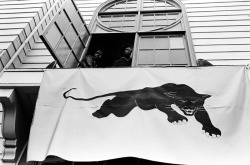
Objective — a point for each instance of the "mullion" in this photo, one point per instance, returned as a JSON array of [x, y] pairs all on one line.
[[117, 12], [154, 51], [161, 11]]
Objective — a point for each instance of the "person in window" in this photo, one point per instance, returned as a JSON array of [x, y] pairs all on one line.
[[125, 59], [202, 62], [93, 61], [89, 62]]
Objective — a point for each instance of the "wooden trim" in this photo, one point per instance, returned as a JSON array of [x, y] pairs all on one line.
[[189, 38], [14, 128]]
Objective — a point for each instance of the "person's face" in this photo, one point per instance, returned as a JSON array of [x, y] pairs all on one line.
[[89, 61], [128, 50], [98, 55]]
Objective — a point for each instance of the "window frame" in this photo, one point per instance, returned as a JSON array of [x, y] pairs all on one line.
[[182, 19], [76, 47]]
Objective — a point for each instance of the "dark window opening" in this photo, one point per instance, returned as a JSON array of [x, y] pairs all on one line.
[[111, 44]]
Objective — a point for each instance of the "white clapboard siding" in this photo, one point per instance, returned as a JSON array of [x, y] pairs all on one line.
[[220, 30], [222, 55], [215, 9], [230, 62], [21, 6], [218, 13], [216, 4], [220, 35], [224, 41], [221, 23], [222, 48], [243, 17], [23, 2], [87, 8], [211, 1], [17, 20]]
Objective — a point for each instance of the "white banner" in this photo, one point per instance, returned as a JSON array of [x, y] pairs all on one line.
[[188, 116]]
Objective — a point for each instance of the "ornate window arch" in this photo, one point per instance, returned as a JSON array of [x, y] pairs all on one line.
[[160, 27]]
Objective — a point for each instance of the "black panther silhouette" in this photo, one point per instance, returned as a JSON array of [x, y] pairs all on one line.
[[162, 97]]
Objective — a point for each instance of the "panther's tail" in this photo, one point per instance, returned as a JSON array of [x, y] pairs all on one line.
[[86, 99]]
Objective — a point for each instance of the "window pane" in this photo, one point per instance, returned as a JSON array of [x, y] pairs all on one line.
[[148, 4], [123, 6], [117, 18], [157, 5], [146, 57], [128, 29], [156, 21], [160, 8], [120, 6], [120, 22], [105, 18], [148, 17], [176, 43], [78, 49], [171, 8], [130, 17], [62, 21], [147, 28], [128, 23], [162, 57], [156, 50], [161, 42], [173, 16], [160, 16], [148, 23], [178, 57], [146, 43], [53, 36], [62, 51], [109, 10], [175, 28], [70, 36], [131, 5], [161, 23], [70, 9], [160, 3], [71, 62], [116, 24], [84, 35], [78, 23]]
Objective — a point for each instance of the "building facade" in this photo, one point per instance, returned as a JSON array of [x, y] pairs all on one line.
[[217, 31]]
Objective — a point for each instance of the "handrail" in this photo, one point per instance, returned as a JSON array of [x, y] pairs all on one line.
[[32, 34]]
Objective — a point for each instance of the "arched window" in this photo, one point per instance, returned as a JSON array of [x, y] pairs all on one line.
[[156, 29]]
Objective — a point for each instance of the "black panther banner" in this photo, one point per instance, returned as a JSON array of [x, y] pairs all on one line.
[[171, 115]]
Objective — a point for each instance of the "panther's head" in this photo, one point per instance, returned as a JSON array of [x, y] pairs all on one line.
[[187, 100]]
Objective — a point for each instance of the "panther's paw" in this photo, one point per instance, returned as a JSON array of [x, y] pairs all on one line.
[[178, 120], [211, 132], [99, 114]]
